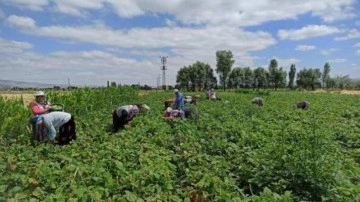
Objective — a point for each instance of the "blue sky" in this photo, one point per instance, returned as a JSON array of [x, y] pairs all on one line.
[[94, 41]]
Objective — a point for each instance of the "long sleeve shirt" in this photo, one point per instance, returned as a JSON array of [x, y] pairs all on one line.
[[179, 101], [174, 114], [37, 108], [55, 120], [131, 109]]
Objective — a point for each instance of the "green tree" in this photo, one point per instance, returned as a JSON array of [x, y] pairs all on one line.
[[248, 77], [342, 81], [325, 74], [309, 78], [260, 77], [183, 76], [292, 74], [198, 74], [236, 77], [224, 63], [276, 76], [272, 72]]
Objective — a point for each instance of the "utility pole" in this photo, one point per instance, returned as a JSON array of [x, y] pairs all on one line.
[[69, 82], [163, 68], [158, 81]]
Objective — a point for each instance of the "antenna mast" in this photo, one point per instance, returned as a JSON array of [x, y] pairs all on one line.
[[163, 68]]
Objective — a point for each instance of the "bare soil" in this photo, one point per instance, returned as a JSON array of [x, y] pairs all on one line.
[[350, 92]]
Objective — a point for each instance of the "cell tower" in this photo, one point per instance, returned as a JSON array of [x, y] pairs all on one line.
[[163, 68]]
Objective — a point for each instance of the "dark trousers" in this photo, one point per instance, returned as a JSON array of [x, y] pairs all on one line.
[[119, 122], [67, 132], [39, 132]]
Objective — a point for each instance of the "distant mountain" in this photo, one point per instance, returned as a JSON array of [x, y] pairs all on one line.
[[4, 84]]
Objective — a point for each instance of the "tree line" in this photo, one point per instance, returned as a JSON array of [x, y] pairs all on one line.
[[201, 76]]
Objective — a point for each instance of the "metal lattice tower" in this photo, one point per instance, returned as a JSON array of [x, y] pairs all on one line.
[[163, 68]]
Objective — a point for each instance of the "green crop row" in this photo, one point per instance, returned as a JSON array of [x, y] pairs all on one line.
[[235, 152]]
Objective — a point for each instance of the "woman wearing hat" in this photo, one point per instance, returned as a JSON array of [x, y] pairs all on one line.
[[124, 114], [40, 105]]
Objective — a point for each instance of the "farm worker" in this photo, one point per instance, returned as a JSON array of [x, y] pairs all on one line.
[[212, 94], [169, 103], [179, 99], [258, 101], [303, 105], [58, 120], [177, 113], [173, 113], [190, 99], [124, 114], [40, 105]]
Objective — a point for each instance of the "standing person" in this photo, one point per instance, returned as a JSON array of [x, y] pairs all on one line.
[[40, 105], [179, 99], [58, 120], [124, 114]]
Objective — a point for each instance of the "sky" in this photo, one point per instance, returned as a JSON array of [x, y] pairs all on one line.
[[90, 42]]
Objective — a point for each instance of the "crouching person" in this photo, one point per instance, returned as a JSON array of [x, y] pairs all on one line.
[[57, 120], [169, 103], [171, 114], [258, 101], [124, 114], [303, 105]]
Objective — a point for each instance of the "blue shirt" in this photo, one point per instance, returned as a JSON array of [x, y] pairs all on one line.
[[179, 101]]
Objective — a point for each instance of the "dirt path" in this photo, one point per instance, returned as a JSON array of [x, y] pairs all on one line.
[[350, 92]]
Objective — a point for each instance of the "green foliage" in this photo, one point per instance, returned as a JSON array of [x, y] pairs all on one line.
[[309, 79], [224, 63], [198, 74], [234, 152]]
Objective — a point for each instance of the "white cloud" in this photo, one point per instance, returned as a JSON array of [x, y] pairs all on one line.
[[189, 38], [78, 7], [352, 34], [328, 51], [36, 5], [304, 47], [338, 60], [170, 23], [239, 13], [125, 53], [9, 46], [130, 8], [186, 45], [24, 22], [87, 67], [336, 10], [307, 32], [357, 52], [357, 45]]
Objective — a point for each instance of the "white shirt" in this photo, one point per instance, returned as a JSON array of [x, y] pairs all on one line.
[[131, 109]]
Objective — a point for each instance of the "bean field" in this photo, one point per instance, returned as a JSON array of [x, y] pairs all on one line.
[[235, 151]]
